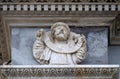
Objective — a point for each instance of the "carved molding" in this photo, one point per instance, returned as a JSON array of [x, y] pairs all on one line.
[[117, 25], [115, 31], [4, 55], [81, 71], [59, 7], [55, 1]]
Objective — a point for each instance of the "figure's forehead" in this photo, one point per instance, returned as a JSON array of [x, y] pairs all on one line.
[[61, 26]]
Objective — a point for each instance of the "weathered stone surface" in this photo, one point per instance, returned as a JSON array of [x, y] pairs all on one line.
[[23, 39]]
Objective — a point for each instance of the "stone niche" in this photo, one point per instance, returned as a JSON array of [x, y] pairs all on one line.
[[22, 40]]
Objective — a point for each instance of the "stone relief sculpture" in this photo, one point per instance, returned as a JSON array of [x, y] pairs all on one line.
[[59, 46]]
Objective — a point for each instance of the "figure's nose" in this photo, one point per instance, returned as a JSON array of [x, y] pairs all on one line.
[[59, 30]]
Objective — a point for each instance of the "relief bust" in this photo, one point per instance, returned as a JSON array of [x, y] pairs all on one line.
[[59, 46]]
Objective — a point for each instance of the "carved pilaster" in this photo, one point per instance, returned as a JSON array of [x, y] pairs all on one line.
[[4, 57], [115, 31], [117, 25], [1, 32]]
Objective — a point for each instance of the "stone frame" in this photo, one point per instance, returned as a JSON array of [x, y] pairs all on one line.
[[9, 21], [23, 21], [9, 17]]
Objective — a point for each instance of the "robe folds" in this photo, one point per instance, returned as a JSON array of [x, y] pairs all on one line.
[[48, 52]]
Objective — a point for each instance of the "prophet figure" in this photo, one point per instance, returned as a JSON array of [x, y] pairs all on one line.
[[59, 46]]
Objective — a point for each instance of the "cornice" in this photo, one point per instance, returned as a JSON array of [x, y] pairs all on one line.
[[61, 1]]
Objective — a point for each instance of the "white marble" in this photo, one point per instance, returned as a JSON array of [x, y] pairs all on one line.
[[59, 46]]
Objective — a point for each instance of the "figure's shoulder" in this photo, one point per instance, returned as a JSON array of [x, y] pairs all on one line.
[[77, 35], [77, 38], [82, 36]]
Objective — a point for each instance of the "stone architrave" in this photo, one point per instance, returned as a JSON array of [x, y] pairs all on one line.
[[59, 46]]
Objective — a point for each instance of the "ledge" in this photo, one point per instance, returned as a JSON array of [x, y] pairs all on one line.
[[62, 71], [59, 66]]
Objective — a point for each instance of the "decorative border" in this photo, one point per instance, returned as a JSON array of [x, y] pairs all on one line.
[[81, 71], [74, 1], [69, 7]]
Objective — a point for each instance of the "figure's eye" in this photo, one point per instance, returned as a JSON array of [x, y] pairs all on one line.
[[62, 30]]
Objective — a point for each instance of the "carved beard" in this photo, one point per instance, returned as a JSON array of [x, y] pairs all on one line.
[[60, 36]]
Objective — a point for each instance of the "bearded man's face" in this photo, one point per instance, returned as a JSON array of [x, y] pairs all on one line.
[[60, 33]]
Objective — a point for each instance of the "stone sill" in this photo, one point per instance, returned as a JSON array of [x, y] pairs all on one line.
[[59, 71], [59, 66]]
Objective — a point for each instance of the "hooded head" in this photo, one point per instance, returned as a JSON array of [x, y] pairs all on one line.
[[60, 31]]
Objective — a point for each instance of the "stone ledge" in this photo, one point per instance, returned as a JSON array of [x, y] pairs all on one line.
[[81, 71]]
